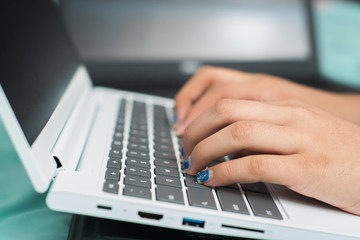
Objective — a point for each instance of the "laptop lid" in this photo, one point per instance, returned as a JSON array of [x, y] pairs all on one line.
[[161, 43], [38, 90]]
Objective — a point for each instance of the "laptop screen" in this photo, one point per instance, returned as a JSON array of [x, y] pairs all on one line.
[[36, 61], [161, 43], [205, 30]]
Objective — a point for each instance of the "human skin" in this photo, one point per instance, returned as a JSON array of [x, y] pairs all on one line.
[[211, 84], [310, 150]]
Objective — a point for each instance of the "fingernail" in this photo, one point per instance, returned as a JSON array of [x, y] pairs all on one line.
[[179, 129], [182, 152], [203, 176], [185, 164], [174, 118]]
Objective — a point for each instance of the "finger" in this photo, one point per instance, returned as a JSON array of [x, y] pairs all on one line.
[[198, 84], [191, 91], [210, 96], [244, 135], [277, 169], [227, 111]]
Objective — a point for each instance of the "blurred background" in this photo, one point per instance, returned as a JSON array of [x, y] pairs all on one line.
[[160, 43], [338, 33]]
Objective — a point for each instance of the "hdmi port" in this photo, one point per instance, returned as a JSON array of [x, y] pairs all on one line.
[[150, 215]]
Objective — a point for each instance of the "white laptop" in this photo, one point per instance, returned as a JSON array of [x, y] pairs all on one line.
[[113, 154]]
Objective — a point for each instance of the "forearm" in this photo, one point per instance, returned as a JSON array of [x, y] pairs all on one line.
[[343, 105]]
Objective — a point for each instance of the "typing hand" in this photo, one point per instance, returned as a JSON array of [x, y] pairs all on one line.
[[289, 143], [211, 84]]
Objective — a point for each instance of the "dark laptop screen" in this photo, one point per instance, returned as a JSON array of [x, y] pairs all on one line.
[[36, 61]]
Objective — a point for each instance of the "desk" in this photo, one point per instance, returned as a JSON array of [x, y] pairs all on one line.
[[23, 213]]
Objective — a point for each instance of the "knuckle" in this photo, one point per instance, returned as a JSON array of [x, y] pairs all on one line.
[[258, 167], [302, 113], [223, 107], [241, 130], [206, 70], [229, 170]]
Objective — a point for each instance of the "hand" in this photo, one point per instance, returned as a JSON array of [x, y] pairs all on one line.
[[290, 143], [211, 84]]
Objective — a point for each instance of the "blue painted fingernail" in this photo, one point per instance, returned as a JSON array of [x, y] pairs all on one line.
[[203, 176], [174, 118], [182, 152], [185, 164]]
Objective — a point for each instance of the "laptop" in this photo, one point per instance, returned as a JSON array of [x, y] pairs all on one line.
[[113, 154], [171, 39]]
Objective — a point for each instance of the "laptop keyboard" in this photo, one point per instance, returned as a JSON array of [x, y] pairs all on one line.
[[147, 157]]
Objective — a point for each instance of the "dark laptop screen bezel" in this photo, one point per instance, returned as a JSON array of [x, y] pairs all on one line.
[[37, 61]]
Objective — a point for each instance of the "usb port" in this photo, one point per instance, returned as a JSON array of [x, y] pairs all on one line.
[[193, 222]]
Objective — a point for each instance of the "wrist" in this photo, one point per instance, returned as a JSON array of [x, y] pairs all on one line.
[[350, 109]]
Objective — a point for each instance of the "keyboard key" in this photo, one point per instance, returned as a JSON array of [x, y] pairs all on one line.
[[165, 163], [169, 194], [233, 186], [162, 133], [135, 132], [139, 171], [180, 141], [138, 154], [263, 205], [120, 120], [118, 135], [215, 162], [201, 198], [117, 153], [162, 140], [190, 181], [112, 174], [116, 144], [114, 163], [255, 187], [135, 191], [158, 108], [139, 119], [111, 186], [137, 162], [163, 147], [138, 146], [139, 106], [137, 139], [137, 181], [165, 155], [167, 180], [166, 171], [231, 200], [137, 126]]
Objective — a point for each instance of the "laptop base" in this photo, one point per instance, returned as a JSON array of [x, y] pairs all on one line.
[[91, 228]]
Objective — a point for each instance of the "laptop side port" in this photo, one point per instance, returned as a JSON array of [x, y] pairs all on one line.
[[243, 229], [104, 207], [150, 215], [193, 222]]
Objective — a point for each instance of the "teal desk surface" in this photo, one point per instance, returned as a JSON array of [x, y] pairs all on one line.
[[23, 213]]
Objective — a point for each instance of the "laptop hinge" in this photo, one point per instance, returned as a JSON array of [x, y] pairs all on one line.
[[72, 139]]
